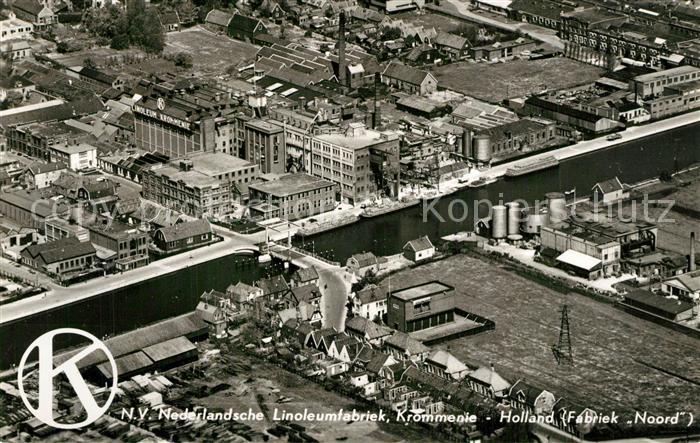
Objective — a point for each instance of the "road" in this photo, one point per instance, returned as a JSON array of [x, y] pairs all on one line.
[[461, 9], [335, 287]]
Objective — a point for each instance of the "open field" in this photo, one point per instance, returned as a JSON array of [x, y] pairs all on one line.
[[211, 53], [516, 78], [612, 350], [432, 20]]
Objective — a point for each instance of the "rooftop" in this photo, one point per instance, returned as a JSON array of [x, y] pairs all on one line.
[[669, 305], [422, 290], [653, 76], [291, 184]]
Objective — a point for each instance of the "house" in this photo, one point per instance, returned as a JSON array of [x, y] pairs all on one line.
[[454, 46], [42, 175], [370, 302], [632, 112], [212, 313], [344, 347], [183, 236], [321, 339], [367, 330], [310, 294], [11, 28], [670, 308], [243, 294], [445, 365], [487, 382], [409, 79], [685, 286], [530, 399], [242, 27], [272, 9], [379, 361], [608, 191], [419, 249], [304, 276], [15, 49], [402, 347], [60, 257], [302, 312], [361, 264], [218, 20], [422, 55], [35, 12], [169, 20], [274, 288]]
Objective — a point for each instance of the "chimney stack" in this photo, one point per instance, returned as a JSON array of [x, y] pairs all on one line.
[[691, 257], [341, 49]]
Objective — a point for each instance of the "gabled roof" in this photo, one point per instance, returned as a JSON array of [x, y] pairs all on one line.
[[169, 18], [531, 393], [43, 168], [490, 377], [273, 284], [610, 185], [303, 275], [185, 230], [306, 293], [244, 23], [240, 291], [690, 280], [367, 328], [63, 249], [379, 361], [446, 360], [218, 17], [365, 259], [451, 40], [32, 7], [419, 244], [405, 73], [370, 294], [403, 342]]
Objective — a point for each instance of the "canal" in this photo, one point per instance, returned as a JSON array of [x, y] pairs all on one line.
[[175, 294]]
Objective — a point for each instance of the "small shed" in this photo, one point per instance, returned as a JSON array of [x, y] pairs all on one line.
[[419, 249]]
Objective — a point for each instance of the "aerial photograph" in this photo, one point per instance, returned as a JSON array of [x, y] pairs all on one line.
[[350, 221]]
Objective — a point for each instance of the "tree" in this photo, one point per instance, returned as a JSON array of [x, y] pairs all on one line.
[[370, 278], [12, 99], [183, 60], [88, 62], [389, 33]]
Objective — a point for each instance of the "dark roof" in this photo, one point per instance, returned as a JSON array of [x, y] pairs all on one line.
[[371, 293], [368, 328], [43, 168], [169, 18], [610, 185], [303, 275], [64, 111], [563, 109], [669, 305], [542, 8], [218, 17], [273, 284], [59, 250], [244, 23], [365, 259], [306, 293], [405, 343], [169, 348], [97, 75], [450, 40], [181, 231], [31, 6], [419, 244], [405, 73], [531, 393]]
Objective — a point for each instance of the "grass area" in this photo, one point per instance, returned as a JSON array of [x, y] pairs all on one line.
[[516, 78], [431, 20], [612, 350], [211, 53]]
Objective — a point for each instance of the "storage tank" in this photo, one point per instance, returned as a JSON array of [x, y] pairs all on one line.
[[482, 148], [466, 143], [499, 222], [556, 205], [514, 217], [535, 220]]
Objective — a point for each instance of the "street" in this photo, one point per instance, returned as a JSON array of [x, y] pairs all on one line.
[[335, 286]]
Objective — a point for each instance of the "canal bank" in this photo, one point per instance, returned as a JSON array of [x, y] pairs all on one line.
[[127, 308]]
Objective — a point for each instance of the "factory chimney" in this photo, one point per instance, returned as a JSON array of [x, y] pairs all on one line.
[[377, 114], [691, 258], [341, 50]]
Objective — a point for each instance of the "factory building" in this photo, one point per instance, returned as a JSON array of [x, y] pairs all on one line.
[[670, 308], [264, 146], [654, 84], [292, 196], [177, 123], [675, 99], [422, 306]]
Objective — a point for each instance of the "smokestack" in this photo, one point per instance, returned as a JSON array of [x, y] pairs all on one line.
[[377, 114], [691, 258], [341, 50]]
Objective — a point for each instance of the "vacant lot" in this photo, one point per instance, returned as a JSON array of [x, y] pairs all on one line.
[[211, 53], [437, 21], [614, 352], [516, 78]]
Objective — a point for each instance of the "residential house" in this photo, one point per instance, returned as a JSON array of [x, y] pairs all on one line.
[[487, 382], [345, 347], [454, 46], [304, 276], [367, 330], [212, 313], [370, 302], [15, 49], [409, 79], [274, 288], [575, 420], [321, 339], [170, 21], [35, 12], [183, 236], [608, 191], [422, 55], [419, 249], [309, 293], [302, 312], [243, 294], [402, 347], [361, 264], [530, 399], [445, 365], [242, 27], [61, 257], [378, 361], [42, 175]]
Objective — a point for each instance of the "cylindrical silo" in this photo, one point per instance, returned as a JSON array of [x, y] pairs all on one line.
[[482, 148], [556, 204], [514, 216], [499, 222], [466, 143], [534, 221]]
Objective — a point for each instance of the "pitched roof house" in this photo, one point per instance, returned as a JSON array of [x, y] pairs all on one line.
[[531, 399], [245, 28], [367, 330], [445, 365], [403, 347], [487, 382], [608, 191], [409, 79], [419, 249]]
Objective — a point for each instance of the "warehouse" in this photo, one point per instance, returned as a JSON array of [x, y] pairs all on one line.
[[294, 195], [670, 308]]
